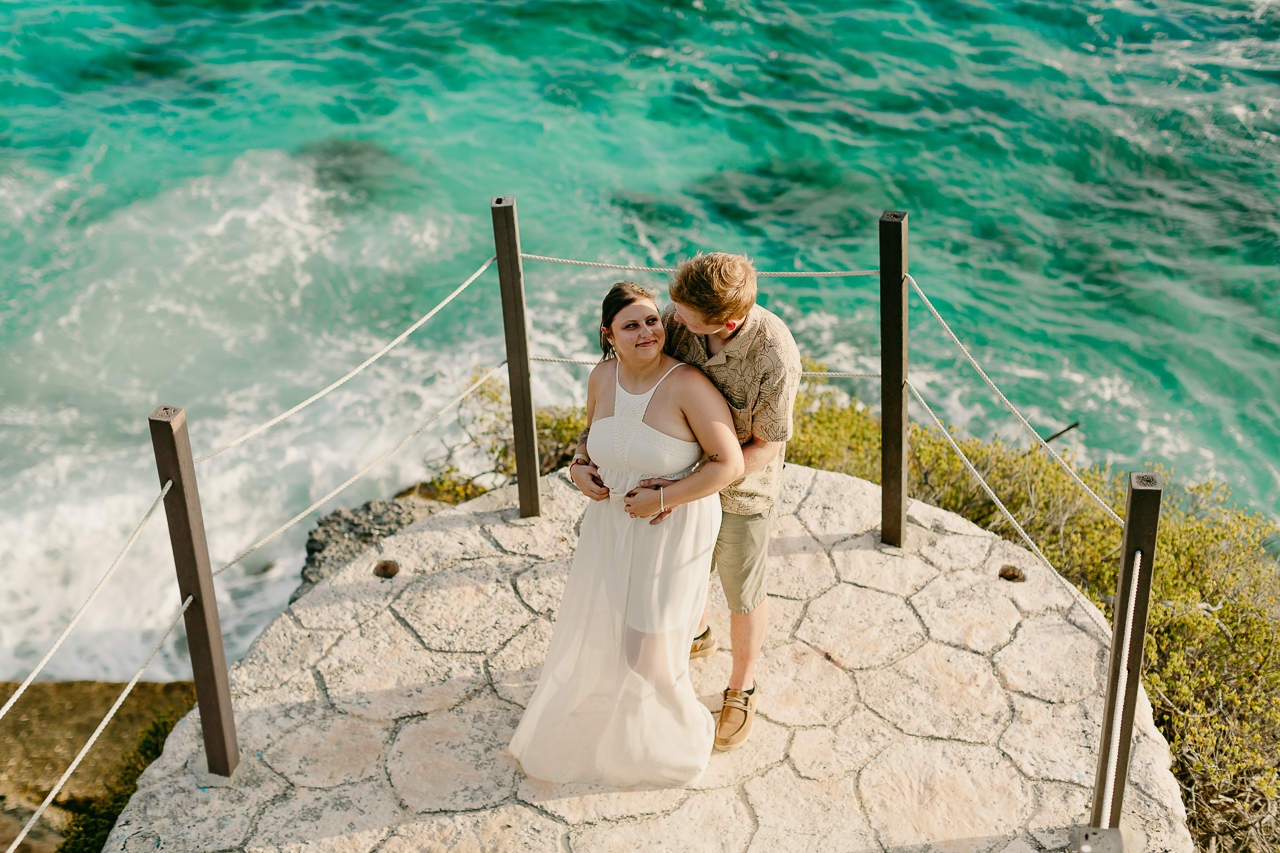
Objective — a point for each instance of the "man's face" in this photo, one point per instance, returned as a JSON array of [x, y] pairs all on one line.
[[696, 321]]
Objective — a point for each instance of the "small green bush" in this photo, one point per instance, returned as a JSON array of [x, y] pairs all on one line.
[[88, 829], [448, 486]]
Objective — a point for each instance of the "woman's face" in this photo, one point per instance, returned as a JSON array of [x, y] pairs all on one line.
[[637, 330]]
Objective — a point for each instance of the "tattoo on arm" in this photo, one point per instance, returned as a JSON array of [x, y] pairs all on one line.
[[582, 439], [713, 457]]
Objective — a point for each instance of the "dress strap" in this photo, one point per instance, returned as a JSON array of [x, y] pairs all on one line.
[[664, 376], [647, 395]]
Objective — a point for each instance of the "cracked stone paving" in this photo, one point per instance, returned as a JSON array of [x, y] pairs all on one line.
[[912, 699]]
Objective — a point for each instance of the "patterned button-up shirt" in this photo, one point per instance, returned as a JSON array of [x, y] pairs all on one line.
[[758, 372]]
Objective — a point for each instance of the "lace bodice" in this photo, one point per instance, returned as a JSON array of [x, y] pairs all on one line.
[[624, 443]]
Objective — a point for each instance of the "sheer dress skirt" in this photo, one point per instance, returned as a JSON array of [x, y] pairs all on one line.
[[614, 704]]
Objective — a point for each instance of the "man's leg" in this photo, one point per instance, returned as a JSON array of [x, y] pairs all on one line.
[[740, 558], [746, 634]]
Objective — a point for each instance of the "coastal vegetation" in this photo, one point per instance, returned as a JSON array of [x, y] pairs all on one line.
[[1212, 670], [90, 825]]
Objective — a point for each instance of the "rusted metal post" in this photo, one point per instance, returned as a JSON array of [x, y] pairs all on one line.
[[506, 243], [893, 372], [191, 559], [1128, 635]]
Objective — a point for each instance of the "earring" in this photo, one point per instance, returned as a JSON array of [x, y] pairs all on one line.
[[731, 325]]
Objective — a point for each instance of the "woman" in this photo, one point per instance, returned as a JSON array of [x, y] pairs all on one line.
[[614, 705]]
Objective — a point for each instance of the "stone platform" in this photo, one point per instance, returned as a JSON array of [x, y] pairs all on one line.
[[911, 699]]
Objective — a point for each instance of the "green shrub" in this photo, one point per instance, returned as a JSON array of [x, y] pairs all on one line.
[[448, 486], [88, 829]]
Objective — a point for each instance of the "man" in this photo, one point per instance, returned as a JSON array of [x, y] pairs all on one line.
[[715, 324]]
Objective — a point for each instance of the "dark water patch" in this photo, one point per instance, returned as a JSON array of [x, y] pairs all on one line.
[[361, 172], [672, 223], [230, 7], [92, 67], [797, 202]]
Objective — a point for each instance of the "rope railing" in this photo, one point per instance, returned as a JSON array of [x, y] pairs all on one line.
[[84, 607], [598, 264], [1017, 414], [98, 731], [399, 339], [1077, 594], [291, 522], [808, 373]]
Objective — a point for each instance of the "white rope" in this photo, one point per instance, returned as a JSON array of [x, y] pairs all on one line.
[[581, 361], [1091, 610], [834, 274], [282, 528], [84, 607], [965, 350], [370, 360], [817, 373], [586, 363], [594, 264], [98, 731], [1122, 686]]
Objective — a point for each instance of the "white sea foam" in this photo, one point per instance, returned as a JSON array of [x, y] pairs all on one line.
[[196, 299]]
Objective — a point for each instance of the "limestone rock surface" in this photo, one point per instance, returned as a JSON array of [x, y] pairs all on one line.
[[910, 699]]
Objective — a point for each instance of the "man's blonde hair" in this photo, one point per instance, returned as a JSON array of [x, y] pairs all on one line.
[[719, 286]]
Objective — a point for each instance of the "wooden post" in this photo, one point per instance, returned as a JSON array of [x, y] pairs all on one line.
[[1128, 634], [506, 243], [191, 558], [893, 372]]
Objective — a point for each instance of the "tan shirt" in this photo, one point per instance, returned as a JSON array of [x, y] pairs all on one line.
[[758, 372]]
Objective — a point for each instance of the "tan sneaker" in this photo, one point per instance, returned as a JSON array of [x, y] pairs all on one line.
[[703, 644], [736, 715]]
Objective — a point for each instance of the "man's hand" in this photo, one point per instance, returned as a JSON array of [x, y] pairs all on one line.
[[584, 476], [655, 483]]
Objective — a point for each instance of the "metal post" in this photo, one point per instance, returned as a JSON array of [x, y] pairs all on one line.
[[893, 372], [506, 242], [1129, 628], [191, 558]]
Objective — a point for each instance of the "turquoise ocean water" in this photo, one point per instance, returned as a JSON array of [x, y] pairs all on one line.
[[225, 205]]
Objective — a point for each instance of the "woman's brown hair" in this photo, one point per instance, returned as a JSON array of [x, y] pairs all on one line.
[[622, 294]]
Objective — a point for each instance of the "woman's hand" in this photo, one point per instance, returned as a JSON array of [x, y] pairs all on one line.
[[584, 476], [653, 484], [642, 503]]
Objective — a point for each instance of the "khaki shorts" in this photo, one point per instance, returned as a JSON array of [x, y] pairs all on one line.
[[741, 557]]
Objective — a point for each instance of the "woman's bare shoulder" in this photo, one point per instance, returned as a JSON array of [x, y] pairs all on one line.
[[603, 371], [693, 382]]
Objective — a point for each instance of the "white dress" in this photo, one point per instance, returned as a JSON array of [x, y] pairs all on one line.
[[614, 704]]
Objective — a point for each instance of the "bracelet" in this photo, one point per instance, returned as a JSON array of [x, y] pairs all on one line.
[[578, 460], [662, 504]]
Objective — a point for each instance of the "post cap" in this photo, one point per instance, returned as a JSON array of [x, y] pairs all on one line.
[[894, 216], [166, 414], [1146, 481], [503, 201]]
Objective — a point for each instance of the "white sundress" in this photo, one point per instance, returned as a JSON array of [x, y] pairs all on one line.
[[614, 704]]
